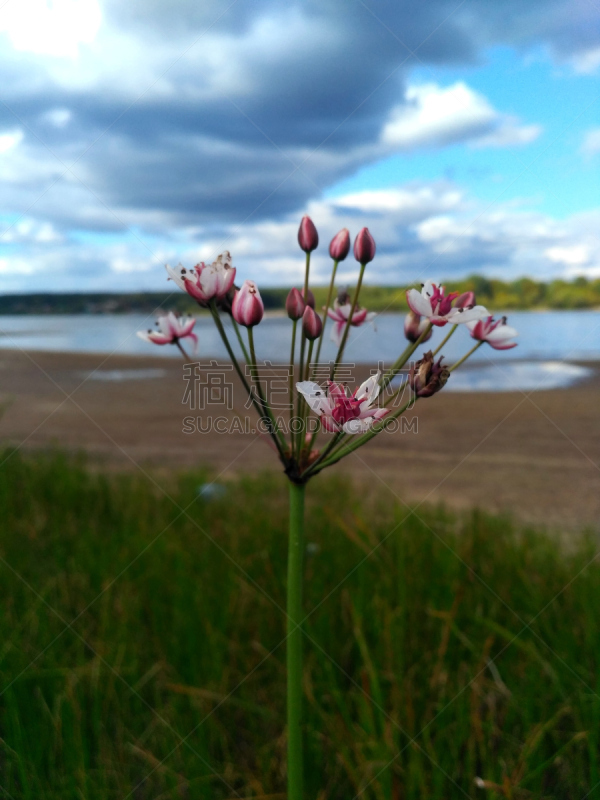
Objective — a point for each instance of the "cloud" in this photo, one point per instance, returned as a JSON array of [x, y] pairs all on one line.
[[433, 229], [591, 142], [435, 116], [195, 121]]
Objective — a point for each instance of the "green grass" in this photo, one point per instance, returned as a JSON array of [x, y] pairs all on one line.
[[170, 681]]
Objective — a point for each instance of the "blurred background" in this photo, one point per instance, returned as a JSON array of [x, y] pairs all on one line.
[[453, 567]]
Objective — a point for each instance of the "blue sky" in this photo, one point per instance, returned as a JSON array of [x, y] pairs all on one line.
[[465, 135]]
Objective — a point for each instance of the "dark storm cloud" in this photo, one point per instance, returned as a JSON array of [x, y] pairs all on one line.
[[202, 111]]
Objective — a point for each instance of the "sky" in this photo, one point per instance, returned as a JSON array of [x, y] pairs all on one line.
[[464, 133]]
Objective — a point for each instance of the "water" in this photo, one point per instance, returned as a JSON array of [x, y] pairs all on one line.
[[547, 338]]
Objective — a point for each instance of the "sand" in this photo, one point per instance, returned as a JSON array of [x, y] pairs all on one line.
[[535, 456]]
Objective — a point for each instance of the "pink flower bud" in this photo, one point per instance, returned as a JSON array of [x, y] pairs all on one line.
[[308, 238], [465, 300], [247, 308], [310, 298], [340, 245], [294, 305], [364, 247], [414, 325], [311, 324]]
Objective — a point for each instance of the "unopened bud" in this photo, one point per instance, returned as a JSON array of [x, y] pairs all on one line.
[[294, 305], [364, 247], [311, 324], [340, 245], [308, 238]]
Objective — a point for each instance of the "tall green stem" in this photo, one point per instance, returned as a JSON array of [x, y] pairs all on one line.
[[464, 358], [444, 340], [340, 351], [327, 305], [294, 643]]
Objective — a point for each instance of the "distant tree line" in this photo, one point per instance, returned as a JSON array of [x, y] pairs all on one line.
[[497, 295]]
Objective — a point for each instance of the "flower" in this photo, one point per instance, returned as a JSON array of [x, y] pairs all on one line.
[[205, 281], [440, 308], [311, 324], [496, 334], [427, 377], [364, 247], [308, 238], [171, 329], [339, 411], [414, 325], [340, 245], [309, 297], [340, 312], [248, 308]]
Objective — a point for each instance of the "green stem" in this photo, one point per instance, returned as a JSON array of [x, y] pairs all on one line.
[[182, 351], [240, 340], [266, 408], [464, 358], [232, 356], [348, 322], [329, 294], [445, 339], [294, 643], [291, 378]]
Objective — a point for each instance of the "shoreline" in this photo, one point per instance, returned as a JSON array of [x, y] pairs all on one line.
[[533, 455]]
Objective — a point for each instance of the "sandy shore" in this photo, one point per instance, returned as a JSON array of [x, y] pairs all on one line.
[[535, 455]]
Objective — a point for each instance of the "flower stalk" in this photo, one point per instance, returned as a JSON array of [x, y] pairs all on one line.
[[294, 642], [354, 418]]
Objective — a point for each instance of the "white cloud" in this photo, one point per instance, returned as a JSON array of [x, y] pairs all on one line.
[[509, 133], [591, 142], [434, 116], [575, 255], [586, 62], [10, 139], [56, 28]]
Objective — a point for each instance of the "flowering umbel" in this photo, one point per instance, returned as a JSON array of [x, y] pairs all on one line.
[[427, 376], [350, 419]]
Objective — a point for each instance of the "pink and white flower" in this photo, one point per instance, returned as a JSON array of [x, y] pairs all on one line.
[[340, 312], [170, 329], [340, 411], [440, 308], [205, 281], [497, 334]]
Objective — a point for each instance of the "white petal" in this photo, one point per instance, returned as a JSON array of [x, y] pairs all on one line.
[[501, 333], [458, 315], [369, 390], [418, 303], [174, 274], [358, 425], [315, 396]]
